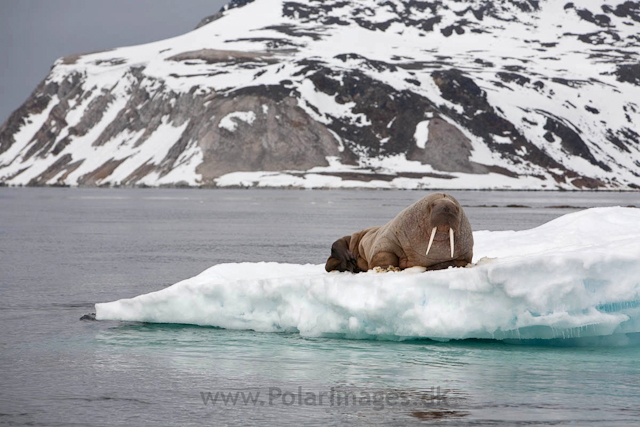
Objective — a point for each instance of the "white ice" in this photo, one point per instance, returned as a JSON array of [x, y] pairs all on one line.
[[576, 276]]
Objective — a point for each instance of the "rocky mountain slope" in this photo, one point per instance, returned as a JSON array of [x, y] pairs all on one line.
[[518, 94]]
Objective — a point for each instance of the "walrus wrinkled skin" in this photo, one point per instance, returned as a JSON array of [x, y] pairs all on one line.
[[404, 241]]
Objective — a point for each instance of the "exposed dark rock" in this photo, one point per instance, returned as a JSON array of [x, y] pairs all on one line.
[[506, 172], [599, 20], [478, 13], [67, 91], [514, 77], [588, 183], [293, 31], [52, 170], [629, 73], [623, 138], [368, 177], [481, 118], [103, 171], [271, 42], [483, 62], [209, 19], [628, 9], [447, 31], [373, 26], [447, 149], [372, 64], [515, 68], [211, 56], [570, 83], [381, 104], [458, 88], [283, 138], [599, 37], [140, 172], [571, 141], [60, 168], [35, 104]]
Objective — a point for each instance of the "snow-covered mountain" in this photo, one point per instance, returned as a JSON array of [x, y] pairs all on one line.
[[518, 94]]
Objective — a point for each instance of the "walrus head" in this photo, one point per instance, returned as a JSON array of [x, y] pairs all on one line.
[[444, 222]]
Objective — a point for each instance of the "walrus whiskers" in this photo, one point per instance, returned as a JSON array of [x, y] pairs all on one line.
[[451, 240], [433, 234]]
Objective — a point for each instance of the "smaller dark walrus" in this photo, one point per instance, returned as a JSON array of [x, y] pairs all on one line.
[[434, 233]]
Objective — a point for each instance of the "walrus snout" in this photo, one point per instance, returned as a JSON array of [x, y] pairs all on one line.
[[445, 213], [444, 223], [445, 216]]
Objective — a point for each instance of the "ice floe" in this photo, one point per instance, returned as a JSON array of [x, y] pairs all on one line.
[[576, 276]]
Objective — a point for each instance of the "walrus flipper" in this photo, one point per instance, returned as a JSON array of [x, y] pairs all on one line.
[[342, 259], [385, 260], [446, 264]]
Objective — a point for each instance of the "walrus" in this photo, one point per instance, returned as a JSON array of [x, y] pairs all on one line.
[[434, 233]]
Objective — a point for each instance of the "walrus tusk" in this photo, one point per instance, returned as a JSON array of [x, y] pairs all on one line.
[[433, 234], [451, 240]]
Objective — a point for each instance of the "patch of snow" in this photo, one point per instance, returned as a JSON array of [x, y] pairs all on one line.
[[229, 122], [338, 140], [391, 123], [328, 106], [320, 177], [421, 135], [184, 170], [152, 151], [25, 134], [501, 139]]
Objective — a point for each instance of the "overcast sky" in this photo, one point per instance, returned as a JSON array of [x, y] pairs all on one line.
[[34, 33]]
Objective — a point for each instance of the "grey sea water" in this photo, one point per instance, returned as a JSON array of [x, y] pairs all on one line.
[[62, 250]]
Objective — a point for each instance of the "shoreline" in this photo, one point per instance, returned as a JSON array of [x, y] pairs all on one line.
[[298, 188]]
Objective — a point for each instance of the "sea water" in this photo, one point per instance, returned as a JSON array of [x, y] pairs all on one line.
[[62, 250]]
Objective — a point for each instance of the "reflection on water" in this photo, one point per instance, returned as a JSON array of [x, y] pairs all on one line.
[[64, 249], [472, 379]]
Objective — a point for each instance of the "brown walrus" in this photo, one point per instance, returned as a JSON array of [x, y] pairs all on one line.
[[434, 233]]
